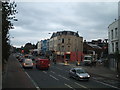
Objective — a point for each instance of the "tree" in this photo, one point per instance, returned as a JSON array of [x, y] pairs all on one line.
[[8, 15]]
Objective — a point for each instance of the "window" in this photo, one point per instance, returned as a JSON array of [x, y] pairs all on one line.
[[112, 47], [68, 41], [116, 33], [73, 70], [58, 40], [68, 56], [63, 40], [68, 33], [111, 34], [63, 48], [74, 33], [116, 46], [68, 48], [58, 48]]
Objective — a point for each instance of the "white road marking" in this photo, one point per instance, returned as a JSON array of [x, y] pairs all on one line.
[[54, 77], [80, 85], [52, 71], [63, 77], [33, 81], [68, 86], [44, 72], [105, 84], [29, 76]]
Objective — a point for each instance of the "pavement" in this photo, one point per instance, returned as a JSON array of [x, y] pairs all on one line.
[[15, 77], [98, 70]]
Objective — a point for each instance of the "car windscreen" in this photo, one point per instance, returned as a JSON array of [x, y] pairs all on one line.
[[28, 61], [88, 58], [43, 57], [80, 71]]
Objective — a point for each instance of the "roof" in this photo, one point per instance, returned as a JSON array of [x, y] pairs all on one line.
[[94, 46], [113, 22], [65, 33]]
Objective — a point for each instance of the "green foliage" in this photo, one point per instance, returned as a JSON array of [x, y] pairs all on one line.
[[8, 15], [28, 47]]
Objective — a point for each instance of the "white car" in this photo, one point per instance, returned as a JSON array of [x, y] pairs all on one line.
[[27, 63]]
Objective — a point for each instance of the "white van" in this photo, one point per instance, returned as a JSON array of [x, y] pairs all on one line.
[[87, 59]]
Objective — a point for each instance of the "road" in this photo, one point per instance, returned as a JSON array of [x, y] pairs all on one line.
[[57, 77]]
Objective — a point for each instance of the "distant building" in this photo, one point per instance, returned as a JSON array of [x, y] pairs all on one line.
[[39, 46], [93, 48], [99, 46], [66, 44], [43, 46]]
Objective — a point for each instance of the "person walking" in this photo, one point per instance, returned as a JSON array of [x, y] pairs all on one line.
[[54, 58]]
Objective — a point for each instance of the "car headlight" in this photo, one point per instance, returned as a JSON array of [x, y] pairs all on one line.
[[81, 76], [88, 75]]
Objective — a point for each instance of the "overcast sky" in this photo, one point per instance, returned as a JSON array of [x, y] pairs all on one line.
[[37, 19]]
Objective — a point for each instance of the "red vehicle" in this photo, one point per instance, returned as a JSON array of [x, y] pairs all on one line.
[[42, 63]]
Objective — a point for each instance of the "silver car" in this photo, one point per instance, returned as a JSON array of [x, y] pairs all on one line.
[[79, 74]]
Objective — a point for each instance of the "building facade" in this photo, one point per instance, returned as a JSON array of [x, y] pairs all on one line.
[[113, 37], [39, 46], [113, 43], [99, 46], [43, 46], [66, 42]]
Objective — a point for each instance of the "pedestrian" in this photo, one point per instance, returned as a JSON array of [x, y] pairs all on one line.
[[91, 64], [54, 58], [94, 63]]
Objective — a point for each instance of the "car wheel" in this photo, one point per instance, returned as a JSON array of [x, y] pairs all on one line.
[[77, 78], [24, 67], [87, 80], [36, 67], [47, 68], [70, 76]]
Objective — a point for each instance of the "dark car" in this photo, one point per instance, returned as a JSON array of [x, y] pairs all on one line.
[[29, 56], [21, 59], [79, 74]]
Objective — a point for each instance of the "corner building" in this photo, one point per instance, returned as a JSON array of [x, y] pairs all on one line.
[[67, 45]]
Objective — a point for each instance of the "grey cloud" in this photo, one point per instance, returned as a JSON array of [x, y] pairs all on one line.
[[38, 19]]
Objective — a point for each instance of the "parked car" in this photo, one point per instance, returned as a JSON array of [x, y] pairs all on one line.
[[29, 56], [18, 55], [27, 63], [42, 63], [79, 74], [21, 59]]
